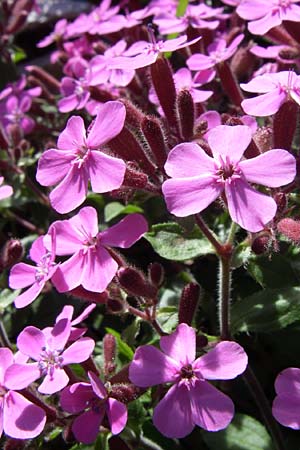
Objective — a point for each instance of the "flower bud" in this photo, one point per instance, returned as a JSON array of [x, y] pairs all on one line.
[[290, 228], [188, 303], [263, 138], [109, 348], [284, 125], [153, 132], [135, 178], [260, 244], [125, 392], [47, 79], [83, 294], [11, 253], [156, 274], [135, 283], [186, 114]]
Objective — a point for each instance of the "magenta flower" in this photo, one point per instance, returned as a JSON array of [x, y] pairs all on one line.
[[5, 190], [58, 33], [191, 400], [143, 53], [266, 14], [218, 51], [286, 406], [19, 418], [94, 400], [197, 179], [276, 88], [47, 348], [13, 112], [23, 275], [183, 80], [78, 159], [91, 264]]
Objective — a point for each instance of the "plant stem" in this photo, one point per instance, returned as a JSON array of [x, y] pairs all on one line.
[[263, 405], [209, 234], [224, 296], [4, 340]]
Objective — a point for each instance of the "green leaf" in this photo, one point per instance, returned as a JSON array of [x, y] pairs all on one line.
[[114, 209], [181, 8], [7, 297], [266, 311], [276, 272], [168, 318], [171, 241], [241, 255], [17, 54], [244, 433], [123, 348]]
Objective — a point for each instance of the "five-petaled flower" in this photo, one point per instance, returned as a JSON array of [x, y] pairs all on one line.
[[198, 179], [94, 400], [286, 405], [191, 400]]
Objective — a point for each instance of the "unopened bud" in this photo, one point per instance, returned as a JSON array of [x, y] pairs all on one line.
[[11, 253], [156, 274], [153, 132], [134, 116], [290, 228], [188, 303], [263, 138], [186, 114], [124, 392], [135, 178], [284, 125], [95, 297], [260, 244], [109, 348], [135, 283]]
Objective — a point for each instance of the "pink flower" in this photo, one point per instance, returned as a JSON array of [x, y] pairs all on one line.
[[78, 159], [94, 399], [197, 179], [143, 53], [91, 264], [58, 33], [23, 275], [266, 14], [19, 418], [218, 51], [5, 191], [47, 348], [286, 406], [191, 400], [275, 88]]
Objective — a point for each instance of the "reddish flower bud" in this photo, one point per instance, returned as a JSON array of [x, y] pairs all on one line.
[[284, 125], [135, 178], [156, 274], [188, 303], [11, 253], [134, 116], [109, 348], [154, 134], [163, 82], [125, 392], [186, 114], [263, 138], [260, 244], [135, 283], [83, 294], [47, 79], [290, 228], [229, 83]]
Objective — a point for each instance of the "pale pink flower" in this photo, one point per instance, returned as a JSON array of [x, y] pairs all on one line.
[[191, 400], [19, 418], [275, 89], [94, 400], [91, 264], [218, 51], [5, 190], [266, 14], [58, 33], [198, 179], [47, 348], [78, 159], [23, 275], [286, 406]]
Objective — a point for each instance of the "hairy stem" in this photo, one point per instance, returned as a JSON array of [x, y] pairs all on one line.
[[224, 297]]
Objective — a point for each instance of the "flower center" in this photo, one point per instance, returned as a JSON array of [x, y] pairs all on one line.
[[82, 154], [227, 170], [43, 267], [50, 360], [2, 391], [187, 372]]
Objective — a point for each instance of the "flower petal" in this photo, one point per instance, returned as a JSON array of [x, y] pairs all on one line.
[[286, 410], [74, 398], [288, 381], [97, 385], [22, 419], [117, 415], [180, 345], [189, 160], [86, 426], [150, 367], [225, 361], [29, 295], [53, 166], [19, 376], [78, 352], [266, 104], [31, 342], [69, 274], [73, 136], [186, 196], [125, 233], [108, 124], [172, 416], [211, 409], [7, 359], [98, 271], [273, 168], [249, 208], [229, 141], [54, 382], [106, 172], [22, 275]]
